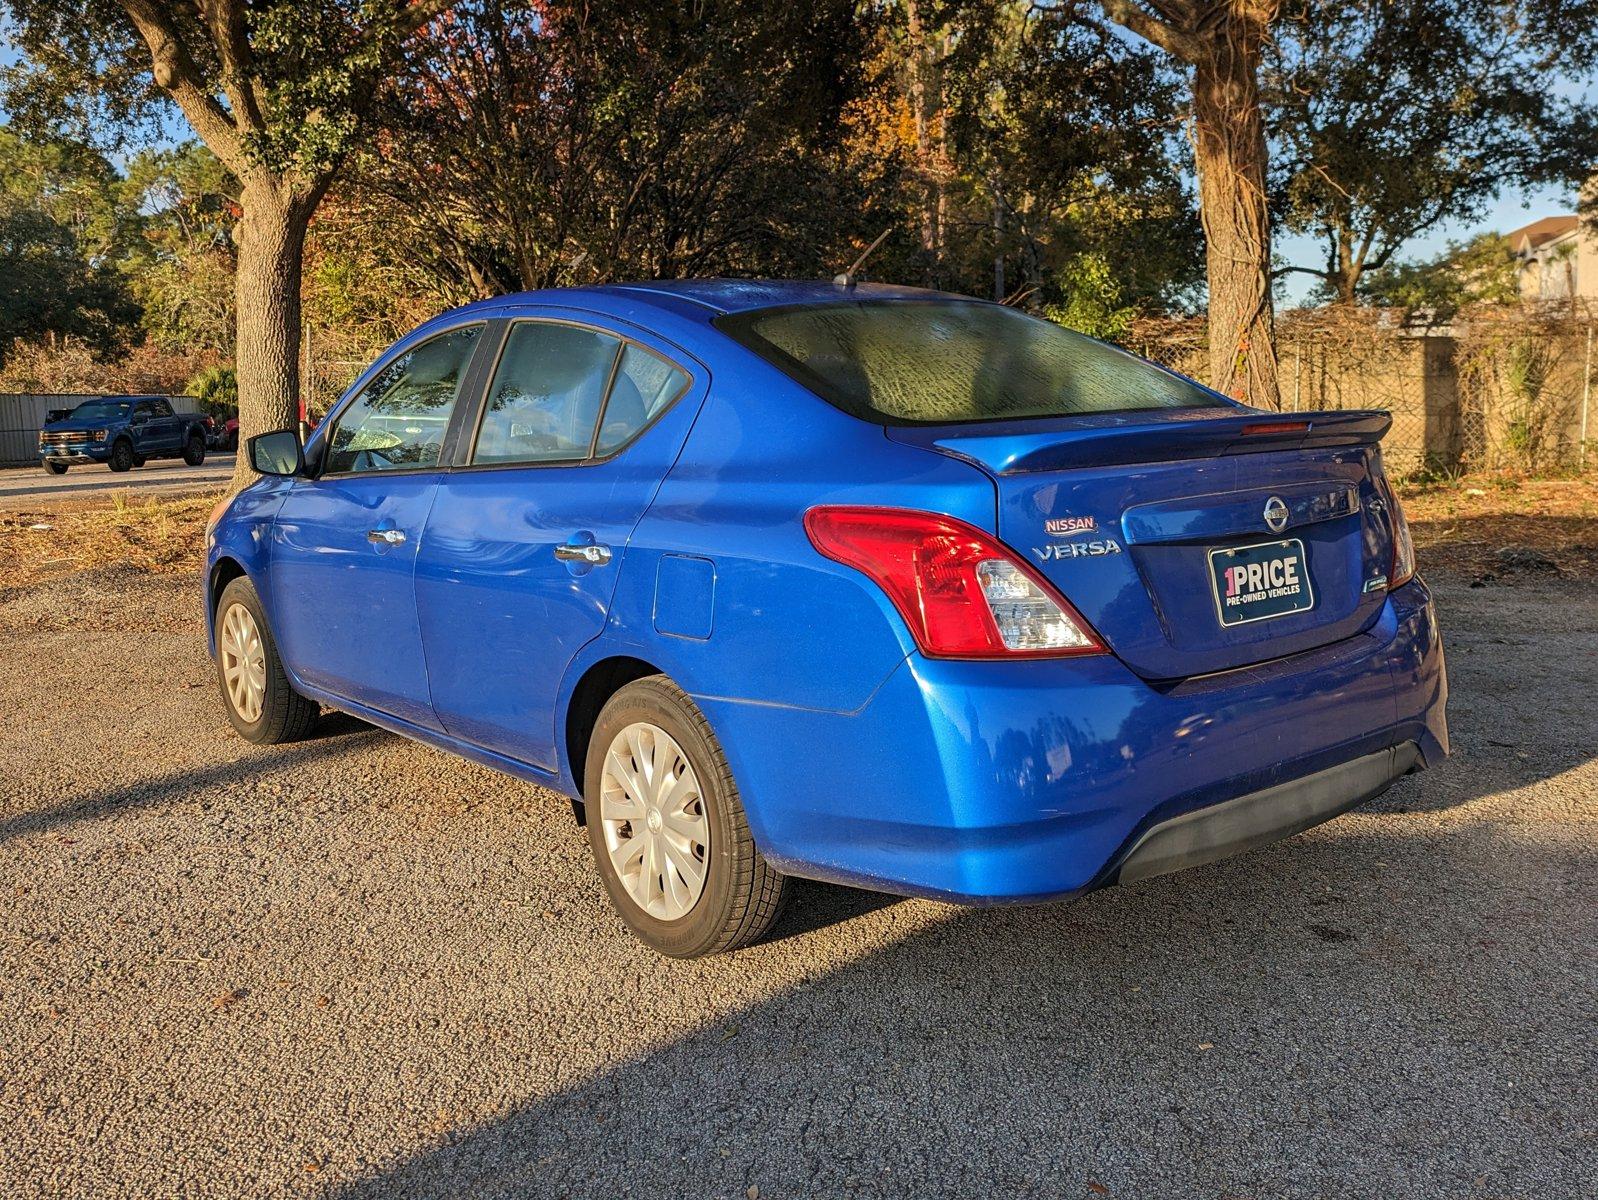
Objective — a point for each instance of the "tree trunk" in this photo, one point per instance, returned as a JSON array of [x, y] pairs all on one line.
[[271, 241], [1229, 149]]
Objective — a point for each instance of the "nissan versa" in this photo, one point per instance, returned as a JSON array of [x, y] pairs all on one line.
[[864, 584]]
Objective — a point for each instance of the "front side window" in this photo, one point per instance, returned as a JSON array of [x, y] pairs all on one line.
[[546, 396], [952, 361], [400, 418]]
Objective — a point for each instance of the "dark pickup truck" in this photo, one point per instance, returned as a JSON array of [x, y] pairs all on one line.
[[122, 432]]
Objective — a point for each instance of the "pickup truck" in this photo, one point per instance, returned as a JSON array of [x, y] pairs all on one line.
[[122, 432]]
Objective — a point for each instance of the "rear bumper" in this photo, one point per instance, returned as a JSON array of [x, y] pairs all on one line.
[[990, 782], [1233, 826]]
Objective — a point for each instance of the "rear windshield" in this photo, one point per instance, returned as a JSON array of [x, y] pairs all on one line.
[[943, 362]]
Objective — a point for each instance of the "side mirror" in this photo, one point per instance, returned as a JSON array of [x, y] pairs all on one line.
[[278, 453], [140, 419]]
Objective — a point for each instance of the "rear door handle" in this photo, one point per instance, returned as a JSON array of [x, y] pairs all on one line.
[[596, 555], [386, 537]]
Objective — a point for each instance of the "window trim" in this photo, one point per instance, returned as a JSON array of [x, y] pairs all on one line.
[[465, 397], [468, 449]]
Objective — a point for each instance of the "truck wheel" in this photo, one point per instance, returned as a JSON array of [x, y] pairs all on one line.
[[55, 468], [121, 456], [139, 460], [194, 449], [667, 829], [260, 701]]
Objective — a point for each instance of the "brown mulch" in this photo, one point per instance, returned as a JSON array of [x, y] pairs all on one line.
[[1493, 528]]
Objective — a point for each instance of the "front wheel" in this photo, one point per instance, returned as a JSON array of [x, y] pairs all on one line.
[[194, 450], [668, 831], [261, 703], [122, 456], [55, 468]]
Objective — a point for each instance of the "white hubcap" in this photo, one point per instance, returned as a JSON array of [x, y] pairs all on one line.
[[243, 662], [656, 830]]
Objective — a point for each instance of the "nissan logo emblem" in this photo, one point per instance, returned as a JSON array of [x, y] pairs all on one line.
[[1276, 514]]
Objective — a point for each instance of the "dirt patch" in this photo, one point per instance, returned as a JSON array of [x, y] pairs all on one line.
[[1496, 529]]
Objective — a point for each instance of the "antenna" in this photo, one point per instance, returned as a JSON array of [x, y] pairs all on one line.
[[847, 278]]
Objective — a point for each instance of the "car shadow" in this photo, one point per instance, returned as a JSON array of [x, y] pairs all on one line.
[[1325, 1017]]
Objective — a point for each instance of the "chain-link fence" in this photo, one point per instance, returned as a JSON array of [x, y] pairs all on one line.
[[1495, 389]]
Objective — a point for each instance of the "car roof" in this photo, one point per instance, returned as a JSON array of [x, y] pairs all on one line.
[[707, 299]]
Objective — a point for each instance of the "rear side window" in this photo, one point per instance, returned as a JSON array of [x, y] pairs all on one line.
[[161, 408], [400, 418], [546, 396], [939, 362], [645, 387]]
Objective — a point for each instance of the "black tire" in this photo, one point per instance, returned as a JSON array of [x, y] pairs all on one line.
[[122, 456], [743, 894], [55, 468], [194, 449], [286, 716], [139, 460]]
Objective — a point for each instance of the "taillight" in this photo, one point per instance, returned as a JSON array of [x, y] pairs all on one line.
[[1402, 568], [962, 594]]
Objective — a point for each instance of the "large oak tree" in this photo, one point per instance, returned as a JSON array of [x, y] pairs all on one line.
[[279, 90]]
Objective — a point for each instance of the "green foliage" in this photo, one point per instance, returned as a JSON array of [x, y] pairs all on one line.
[[50, 287], [182, 263], [216, 389], [1390, 117], [1091, 296], [63, 230], [1483, 270]]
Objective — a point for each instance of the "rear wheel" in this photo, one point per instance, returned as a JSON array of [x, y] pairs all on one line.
[[261, 703], [194, 449], [667, 828], [55, 468], [122, 456]]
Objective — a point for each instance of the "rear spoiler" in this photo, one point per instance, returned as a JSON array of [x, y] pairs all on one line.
[[1022, 447]]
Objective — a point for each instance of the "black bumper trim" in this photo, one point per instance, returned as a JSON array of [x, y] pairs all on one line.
[[1232, 826]]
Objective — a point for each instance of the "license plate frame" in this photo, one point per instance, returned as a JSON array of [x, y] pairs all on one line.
[[1247, 612]]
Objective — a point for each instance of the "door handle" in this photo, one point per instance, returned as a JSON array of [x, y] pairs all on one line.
[[386, 537], [595, 555]]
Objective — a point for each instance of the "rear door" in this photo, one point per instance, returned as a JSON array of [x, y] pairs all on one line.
[[580, 423], [344, 544], [168, 426], [1195, 542]]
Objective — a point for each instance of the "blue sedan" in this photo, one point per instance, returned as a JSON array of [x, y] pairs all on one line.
[[864, 584]]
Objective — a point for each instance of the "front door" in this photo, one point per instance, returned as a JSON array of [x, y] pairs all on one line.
[[344, 543], [525, 540]]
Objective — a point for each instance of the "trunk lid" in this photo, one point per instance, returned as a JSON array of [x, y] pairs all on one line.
[[1143, 521]]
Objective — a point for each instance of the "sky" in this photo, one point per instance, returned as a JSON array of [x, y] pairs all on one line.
[[1514, 208]]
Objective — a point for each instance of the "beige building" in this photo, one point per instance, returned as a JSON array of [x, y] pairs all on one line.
[[1558, 259]]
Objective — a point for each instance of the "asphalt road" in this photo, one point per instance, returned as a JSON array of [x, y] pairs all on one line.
[[361, 968], [24, 486]]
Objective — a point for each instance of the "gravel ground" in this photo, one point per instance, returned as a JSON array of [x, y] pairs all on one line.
[[363, 968]]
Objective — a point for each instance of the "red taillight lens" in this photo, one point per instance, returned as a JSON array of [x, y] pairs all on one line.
[[1402, 568], [962, 594]]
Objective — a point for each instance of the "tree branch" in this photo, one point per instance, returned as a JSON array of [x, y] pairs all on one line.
[[225, 19], [1131, 15], [177, 74]]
